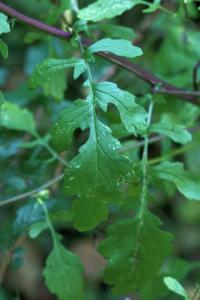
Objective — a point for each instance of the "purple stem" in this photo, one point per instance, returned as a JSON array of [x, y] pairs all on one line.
[[147, 76], [34, 23]]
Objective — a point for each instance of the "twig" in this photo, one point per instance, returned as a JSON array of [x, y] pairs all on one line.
[[32, 192], [147, 76], [34, 23]]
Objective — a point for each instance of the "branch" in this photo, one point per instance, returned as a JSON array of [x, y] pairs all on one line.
[[165, 87], [34, 23]]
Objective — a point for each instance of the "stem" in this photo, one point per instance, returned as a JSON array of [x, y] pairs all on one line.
[[49, 224], [89, 80], [145, 162], [144, 183], [54, 154], [173, 153], [50, 150], [124, 63]]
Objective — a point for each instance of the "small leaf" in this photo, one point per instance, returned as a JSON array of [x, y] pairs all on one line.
[[135, 249], [63, 273], [106, 9], [37, 228], [49, 67], [17, 118], [119, 47], [69, 120], [187, 183], [176, 287], [132, 115], [177, 133], [3, 49], [4, 25]]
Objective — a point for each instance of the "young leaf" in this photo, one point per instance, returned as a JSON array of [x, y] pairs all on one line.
[[95, 176], [132, 115], [177, 133], [3, 49], [119, 47], [70, 119], [4, 25], [135, 249], [17, 118], [176, 287], [106, 9], [187, 183], [63, 273], [45, 70]]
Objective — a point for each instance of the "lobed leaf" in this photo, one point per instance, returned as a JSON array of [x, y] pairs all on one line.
[[95, 176], [45, 70], [63, 273], [135, 249], [69, 120], [132, 115]]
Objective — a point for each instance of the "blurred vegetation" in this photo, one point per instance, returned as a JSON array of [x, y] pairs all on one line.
[[171, 45]]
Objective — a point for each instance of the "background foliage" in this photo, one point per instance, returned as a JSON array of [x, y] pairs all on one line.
[[100, 183]]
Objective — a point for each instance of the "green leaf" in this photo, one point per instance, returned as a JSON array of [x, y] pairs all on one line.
[[45, 70], [117, 31], [132, 115], [119, 47], [17, 118], [4, 25], [178, 133], [37, 228], [187, 183], [176, 287], [69, 120], [135, 249], [152, 7], [106, 9], [95, 176], [63, 273], [3, 49]]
